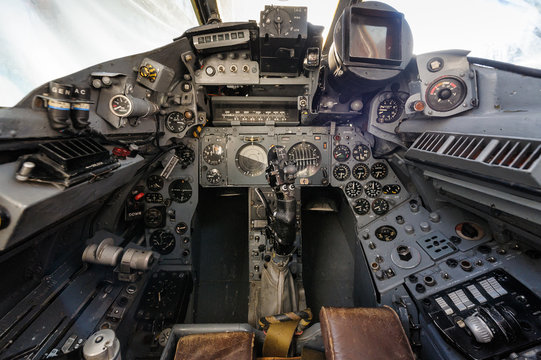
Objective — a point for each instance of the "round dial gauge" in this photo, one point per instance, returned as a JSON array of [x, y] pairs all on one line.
[[251, 159], [353, 189], [162, 241], [155, 182], [386, 233], [446, 93], [121, 105], [276, 22], [389, 110], [306, 157], [174, 122], [360, 171], [341, 172], [154, 198], [341, 153], [180, 190], [391, 189], [361, 152], [372, 189], [361, 206], [181, 228], [186, 155], [379, 171], [153, 217], [214, 176], [380, 206], [161, 295], [213, 154]]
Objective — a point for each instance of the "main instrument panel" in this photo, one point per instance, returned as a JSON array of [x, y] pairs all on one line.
[[237, 156]]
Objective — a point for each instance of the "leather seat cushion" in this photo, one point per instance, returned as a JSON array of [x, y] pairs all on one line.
[[211, 346], [363, 333]]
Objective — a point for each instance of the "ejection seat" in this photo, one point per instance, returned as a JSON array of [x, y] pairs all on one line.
[[348, 334]]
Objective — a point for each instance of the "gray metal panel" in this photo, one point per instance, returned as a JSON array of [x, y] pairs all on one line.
[[179, 212], [455, 64], [350, 137], [508, 106], [33, 207], [449, 218]]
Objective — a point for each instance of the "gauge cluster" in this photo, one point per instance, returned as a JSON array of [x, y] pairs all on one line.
[[169, 205], [238, 156], [371, 187]]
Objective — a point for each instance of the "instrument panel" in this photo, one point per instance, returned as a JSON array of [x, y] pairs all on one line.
[[369, 184], [237, 156]]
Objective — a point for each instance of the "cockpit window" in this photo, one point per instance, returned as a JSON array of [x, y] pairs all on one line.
[[44, 40], [503, 30]]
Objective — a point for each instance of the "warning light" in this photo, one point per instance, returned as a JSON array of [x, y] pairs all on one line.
[[418, 106]]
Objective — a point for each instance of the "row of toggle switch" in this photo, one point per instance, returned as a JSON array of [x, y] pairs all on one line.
[[462, 301]]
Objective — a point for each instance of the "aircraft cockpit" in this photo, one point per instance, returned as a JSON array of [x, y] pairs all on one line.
[[273, 189]]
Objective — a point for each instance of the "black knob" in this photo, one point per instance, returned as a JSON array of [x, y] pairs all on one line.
[[469, 230], [445, 94], [4, 218]]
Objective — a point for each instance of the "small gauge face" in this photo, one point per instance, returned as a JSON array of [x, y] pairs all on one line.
[[341, 172], [353, 189], [154, 198], [214, 176], [162, 241], [361, 171], [120, 105], [372, 189], [181, 228], [380, 206], [180, 190], [160, 295], [251, 159], [306, 157], [361, 152], [446, 93], [153, 217], [391, 189], [213, 154], [361, 206], [386, 233], [186, 155], [379, 171], [389, 110], [155, 182], [341, 153], [276, 22], [174, 122]]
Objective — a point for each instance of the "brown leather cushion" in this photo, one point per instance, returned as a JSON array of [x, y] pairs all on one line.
[[363, 333], [212, 346]]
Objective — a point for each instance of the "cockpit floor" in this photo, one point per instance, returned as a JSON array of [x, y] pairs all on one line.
[[221, 257]]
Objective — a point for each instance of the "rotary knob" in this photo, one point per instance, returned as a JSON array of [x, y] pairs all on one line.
[[148, 72], [479, 329]]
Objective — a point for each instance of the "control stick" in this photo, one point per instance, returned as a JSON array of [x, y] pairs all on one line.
[[281, 225], [278, 291]]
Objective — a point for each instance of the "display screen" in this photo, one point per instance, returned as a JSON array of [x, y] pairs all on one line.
[[374, 37]]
